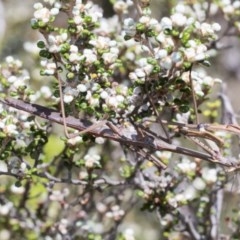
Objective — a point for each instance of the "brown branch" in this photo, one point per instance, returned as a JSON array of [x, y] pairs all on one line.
[[127, 137]]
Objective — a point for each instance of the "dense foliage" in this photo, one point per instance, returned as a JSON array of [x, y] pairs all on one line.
[[141, 135]]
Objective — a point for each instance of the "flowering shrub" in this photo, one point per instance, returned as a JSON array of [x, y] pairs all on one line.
[[130, 92]]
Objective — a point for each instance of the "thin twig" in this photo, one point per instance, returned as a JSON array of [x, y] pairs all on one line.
[[193, 96]]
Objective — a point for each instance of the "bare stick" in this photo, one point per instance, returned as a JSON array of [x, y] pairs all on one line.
[[61, 101], [193, 96]]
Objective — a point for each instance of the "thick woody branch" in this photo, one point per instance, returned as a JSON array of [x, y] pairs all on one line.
[[116, 133]]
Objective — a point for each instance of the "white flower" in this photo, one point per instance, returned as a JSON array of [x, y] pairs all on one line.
[[100, 42], [140, 73], [129, 234], [5, 208], [20, 143], [178, 19], [109, 58], [229, 10], [5, 234], [62, 227], [82, 87], [186, 165], [120, 98], [129, 27], [17, 190], [145, 20], [12, 79], [190, 193], [54, 11], [68, 98], [216, 27], [236, 4], [166, 23], [56, 195], [180, 197], [78, 19], [10, 129], [74, 141], [103, 94], [116, 213], [199, 184], [133, 76], [159, 54], [112, 102], [74, 57], [190, 54], [209, 175], [166, 63], [42, 14], [206, 29], [166, 41], [3, 167], [129, 22], [73, 48], [92, 160], [120, 7], [176, 57], [49, 67], [90, 56], [37, 6], [99, 140], [46, 92], [173, 202], [23, 166]]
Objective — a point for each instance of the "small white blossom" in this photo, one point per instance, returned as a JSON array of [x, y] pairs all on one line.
[[5, 234], [23, 166], [49, 67], [116, 213], [166, 23], [129, 27], [92, 160], [178, 19], [5, 208], [10, 129], [140, 73], [56, 195], [74, 140], [54, 11], [129, 234], [186, 165], [99, 140], [109, 58], [166, 63], [199, 184], [209, 175], [145, 20], [17, 190], [89, 56], [62, 227], [120, 7], [160, 53], [42, 14], [216, 27], [46, 91], [82, 87], [3, 167], [190, 193], [104, 95]]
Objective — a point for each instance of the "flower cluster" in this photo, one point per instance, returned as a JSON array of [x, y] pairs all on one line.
[[138, 73]]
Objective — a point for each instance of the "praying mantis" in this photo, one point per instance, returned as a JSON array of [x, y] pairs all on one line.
[[143, 141]]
